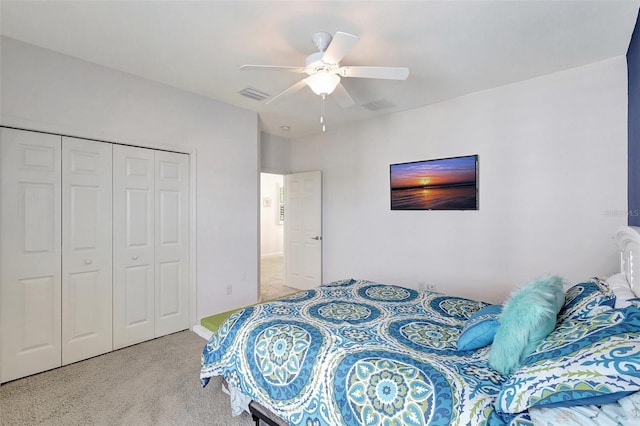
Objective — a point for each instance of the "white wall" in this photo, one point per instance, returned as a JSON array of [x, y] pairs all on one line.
[[271, 230], [552, 158], [275, 154], [275, 161], [44, 90]]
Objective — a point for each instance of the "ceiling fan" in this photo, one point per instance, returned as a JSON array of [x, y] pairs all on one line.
[[324, 70]]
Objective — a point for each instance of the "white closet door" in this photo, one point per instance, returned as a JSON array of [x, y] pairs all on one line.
[[172, 248], [29, 252], [86, 252], [133, 245]]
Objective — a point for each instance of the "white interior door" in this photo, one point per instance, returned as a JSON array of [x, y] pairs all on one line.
[[133, 245], [303, 229], [30, 254], [172, 245], [86, 249]]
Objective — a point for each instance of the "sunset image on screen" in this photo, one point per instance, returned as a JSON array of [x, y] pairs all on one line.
[[444, 184]]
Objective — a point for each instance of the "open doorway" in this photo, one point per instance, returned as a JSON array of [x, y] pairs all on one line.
[[272, 219]]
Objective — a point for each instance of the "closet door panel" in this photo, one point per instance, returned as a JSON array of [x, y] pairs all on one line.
[[172, 248], [137, 310], [133, 250], [30, 253], [87, 249]]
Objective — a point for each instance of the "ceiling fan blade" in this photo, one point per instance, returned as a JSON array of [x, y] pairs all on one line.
[[292, 89], [271, 68], [343, 97], [387, 73], [340, 45]]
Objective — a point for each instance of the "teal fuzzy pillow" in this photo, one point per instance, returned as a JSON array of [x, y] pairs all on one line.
[[527, 318]]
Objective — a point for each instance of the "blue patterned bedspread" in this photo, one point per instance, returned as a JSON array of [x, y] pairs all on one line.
[[358, 353]]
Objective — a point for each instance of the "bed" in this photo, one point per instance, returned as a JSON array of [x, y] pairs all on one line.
[[357, 352]]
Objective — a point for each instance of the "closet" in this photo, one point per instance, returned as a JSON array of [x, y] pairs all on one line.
[[93, 248]]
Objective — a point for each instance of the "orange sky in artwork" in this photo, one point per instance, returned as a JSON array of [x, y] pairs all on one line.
[[448, 171]]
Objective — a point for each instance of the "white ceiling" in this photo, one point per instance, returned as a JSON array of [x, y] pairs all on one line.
[[451, 47]]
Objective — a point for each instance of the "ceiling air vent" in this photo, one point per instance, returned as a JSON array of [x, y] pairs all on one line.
[[254, 94], [378, 105]]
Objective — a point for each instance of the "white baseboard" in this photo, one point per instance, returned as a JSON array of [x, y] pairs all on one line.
[[203, 332]]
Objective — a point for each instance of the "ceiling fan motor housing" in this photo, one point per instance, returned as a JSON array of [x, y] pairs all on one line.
[[314, 63]]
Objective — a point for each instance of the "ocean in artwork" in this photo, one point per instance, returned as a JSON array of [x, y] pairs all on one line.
[[442, 198]]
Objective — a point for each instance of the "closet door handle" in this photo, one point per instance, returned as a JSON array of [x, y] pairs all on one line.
[[134, 257], [87, 262]]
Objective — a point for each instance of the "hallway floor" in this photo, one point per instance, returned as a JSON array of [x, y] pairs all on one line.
[[272, 279]]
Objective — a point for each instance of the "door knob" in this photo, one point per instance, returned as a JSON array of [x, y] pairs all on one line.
[[316, 238], [87, 262], [134, 257]]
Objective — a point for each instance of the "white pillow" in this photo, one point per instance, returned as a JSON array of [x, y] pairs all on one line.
[[621, 288]]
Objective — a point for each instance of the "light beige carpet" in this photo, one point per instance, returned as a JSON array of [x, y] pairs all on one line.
[[152, 383]]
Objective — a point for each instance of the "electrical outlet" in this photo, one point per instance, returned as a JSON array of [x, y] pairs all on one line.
[[229, 289], [424, 286]]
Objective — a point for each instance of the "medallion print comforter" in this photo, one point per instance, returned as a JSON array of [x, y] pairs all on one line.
[[358, 353]]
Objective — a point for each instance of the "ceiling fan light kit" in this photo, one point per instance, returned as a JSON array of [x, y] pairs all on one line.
[[324, 70], [323, 83]]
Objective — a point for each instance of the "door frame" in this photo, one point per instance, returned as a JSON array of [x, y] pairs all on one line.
[[283, 174], [260, 202]]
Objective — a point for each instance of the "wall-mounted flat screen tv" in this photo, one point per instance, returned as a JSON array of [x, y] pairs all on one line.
[[439, 184]]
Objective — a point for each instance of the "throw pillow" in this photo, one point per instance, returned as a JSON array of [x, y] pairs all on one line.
[[587, 299], [528, 317], [480, 328], [590, 361]]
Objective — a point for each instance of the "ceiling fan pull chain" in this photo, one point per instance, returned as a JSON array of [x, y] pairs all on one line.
[[324, 97]]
